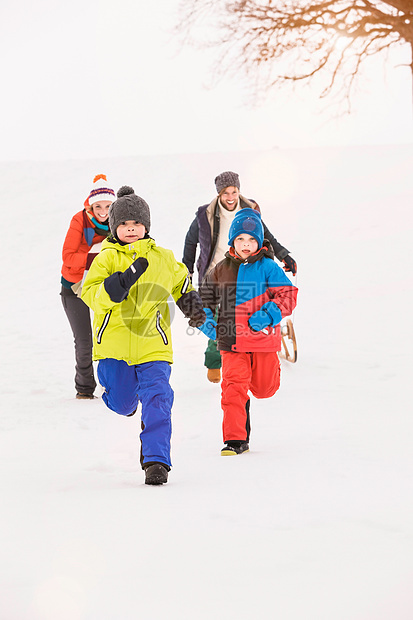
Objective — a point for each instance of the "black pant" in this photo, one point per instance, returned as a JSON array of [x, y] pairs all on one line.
[[79, 318]]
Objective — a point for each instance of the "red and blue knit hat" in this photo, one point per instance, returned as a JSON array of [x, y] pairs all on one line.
[[246, 221], [99, 191]]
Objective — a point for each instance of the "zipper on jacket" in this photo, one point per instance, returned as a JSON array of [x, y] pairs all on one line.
[[103, 327], [159, 328], [185, 285]]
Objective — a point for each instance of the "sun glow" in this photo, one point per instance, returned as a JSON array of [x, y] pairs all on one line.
[[341, 43]]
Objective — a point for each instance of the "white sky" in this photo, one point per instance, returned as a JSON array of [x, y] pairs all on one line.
[[98, 78]]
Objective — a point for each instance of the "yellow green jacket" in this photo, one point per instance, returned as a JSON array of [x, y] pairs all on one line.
[[138, 329]]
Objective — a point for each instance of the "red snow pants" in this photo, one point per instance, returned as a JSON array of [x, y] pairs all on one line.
[[258, 373]]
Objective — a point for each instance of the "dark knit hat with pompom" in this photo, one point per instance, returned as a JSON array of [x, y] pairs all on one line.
[[128, 206]]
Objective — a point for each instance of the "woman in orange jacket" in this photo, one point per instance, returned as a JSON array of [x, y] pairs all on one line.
[[87, 230]]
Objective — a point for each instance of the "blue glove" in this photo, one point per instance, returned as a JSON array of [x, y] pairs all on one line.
[[209, 327], [268, 314]]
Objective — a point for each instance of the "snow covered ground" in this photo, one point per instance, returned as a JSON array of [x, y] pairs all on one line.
[[316, 522]]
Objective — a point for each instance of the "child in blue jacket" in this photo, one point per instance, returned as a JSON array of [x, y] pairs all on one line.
[[252, 294]]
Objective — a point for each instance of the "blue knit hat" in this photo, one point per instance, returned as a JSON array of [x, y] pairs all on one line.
[[247, 221]]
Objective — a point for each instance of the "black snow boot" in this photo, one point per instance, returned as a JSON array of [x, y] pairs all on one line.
[[232, 448], [156, 473]]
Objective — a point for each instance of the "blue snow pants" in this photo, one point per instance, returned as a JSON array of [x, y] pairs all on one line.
[[148, 383]]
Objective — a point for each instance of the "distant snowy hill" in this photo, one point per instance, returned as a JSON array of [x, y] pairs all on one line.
[[316, 522]]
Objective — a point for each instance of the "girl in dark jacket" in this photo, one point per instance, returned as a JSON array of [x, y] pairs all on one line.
[[253, 294]]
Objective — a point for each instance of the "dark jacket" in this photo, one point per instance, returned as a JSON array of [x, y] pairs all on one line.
[[241, 287], [205, 231]]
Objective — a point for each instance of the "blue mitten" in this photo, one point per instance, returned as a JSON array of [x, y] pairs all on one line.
[[268, 314], [209, 327]]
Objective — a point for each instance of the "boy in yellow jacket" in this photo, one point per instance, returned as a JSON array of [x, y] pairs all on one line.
[[128, 287]]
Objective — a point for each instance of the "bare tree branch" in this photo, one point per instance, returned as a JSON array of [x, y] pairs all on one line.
[[275, 42]]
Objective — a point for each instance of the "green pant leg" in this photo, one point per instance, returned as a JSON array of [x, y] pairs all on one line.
[[212, 355]]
